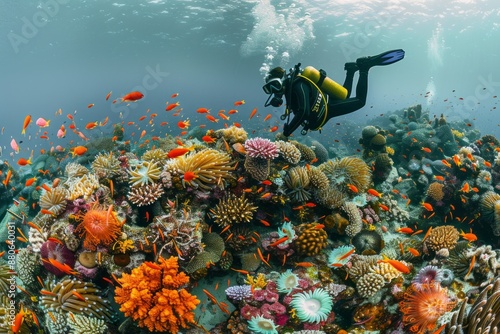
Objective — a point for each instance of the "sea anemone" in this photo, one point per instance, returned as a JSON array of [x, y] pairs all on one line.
[[490, 208], [54, 200], [144, 173], [297, 180], [261, 325], [367, 241], [106, 165], [261, 148], [60, 253], [312, 306], [210, 167], [287, 282], [426, 275], [335, 259], [82, 186], [99, 227], [348, 170], [423, 306]]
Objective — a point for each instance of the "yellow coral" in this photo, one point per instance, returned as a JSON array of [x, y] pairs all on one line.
[[389, 150], [257, 282], [457, 134], [152, 296], [435, 191], [123, 246]]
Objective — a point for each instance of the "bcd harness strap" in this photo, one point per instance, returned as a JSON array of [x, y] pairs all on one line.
[[325, 101]]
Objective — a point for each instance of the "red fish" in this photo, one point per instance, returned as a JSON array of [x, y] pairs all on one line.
[[373, 192], [177, 152], [108, 95], [183, 124], [189, 176], [23, 162], [252, 114], [172, 106], [239, 103], [132, 97], [202, 110], [212, 118]]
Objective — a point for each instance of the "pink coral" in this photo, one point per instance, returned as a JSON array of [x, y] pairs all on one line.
[[261, 148]]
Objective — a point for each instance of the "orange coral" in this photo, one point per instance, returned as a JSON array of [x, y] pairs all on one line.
[[423, 306], [100, 227], [151, 295]]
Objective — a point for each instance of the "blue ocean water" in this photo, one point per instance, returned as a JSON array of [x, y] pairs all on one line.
[[68, 54]]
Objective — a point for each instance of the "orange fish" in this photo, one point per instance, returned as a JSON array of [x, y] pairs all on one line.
[[352, 188], [143, 133], [202, 110], [471, 266], [177, 152], [224, 117], [413, 251], [142, 118], [189, 176], [29, 182], [172, 106], [383, 207], [183, 124], [465, 188], [18, 320], [208, 139], [267, 117], [212, 118], [398, 265], [78, 150], [304, 264], [239, 103], [252, 114], [456, 160], [470, 237], [232, 111], [487, 164], [346, 255], [23, 162], [373, 192], [132, 97], [426, 149], [274, 129], [238, 147], [90, 105], [91, 125], [108, 95], [427, 206], [27, 121], [405, 230], [446, 163], [174, 95]]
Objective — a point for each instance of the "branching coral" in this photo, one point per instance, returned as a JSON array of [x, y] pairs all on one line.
[[261, 148], [232, 209], [146, 194], [423, 306], [144, 173], [153, 295], [209, 167], [54, 200]]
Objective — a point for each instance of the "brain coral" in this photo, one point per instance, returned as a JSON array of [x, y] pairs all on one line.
[[435, 191], [442, 237], [54, 200], [153, 295]]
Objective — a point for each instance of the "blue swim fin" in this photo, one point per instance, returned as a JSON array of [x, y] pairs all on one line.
[[385, 58]]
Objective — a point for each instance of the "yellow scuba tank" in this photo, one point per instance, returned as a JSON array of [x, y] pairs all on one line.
[[328, 86]]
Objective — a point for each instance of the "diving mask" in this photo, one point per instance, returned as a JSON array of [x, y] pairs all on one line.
[[273, 86]]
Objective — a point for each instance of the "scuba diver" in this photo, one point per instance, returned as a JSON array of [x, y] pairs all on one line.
[[313, 98]]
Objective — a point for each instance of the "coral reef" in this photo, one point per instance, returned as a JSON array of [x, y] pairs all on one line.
[[311, 239], [145, 195], [153, 295], [144, 173], [442, 237]]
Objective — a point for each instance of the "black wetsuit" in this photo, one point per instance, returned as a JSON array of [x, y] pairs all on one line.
[[307, 105]]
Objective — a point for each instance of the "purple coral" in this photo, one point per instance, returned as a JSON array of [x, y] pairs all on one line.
[[59, 253], [261, 148]]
